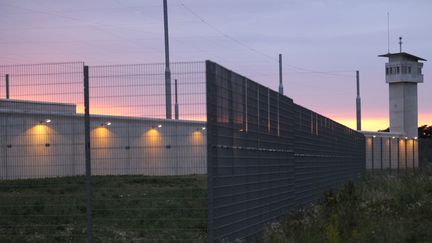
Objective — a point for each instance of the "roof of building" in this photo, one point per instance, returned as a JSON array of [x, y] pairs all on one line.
[[404, 54]]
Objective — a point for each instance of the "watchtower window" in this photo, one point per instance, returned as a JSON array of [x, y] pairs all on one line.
[[397, 70], [391, 70], [419, 70], [387, 70], [409, 69]]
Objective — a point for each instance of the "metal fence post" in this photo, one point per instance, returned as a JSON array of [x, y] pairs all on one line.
[[390, 153], [413, 153], [6, 146], [87, 155], [7, 86], [211, 142], [398, 155], [406, 157], [381, 148], [373, 152]]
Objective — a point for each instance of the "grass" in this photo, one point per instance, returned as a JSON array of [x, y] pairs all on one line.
[[380, 208], [126, 209]]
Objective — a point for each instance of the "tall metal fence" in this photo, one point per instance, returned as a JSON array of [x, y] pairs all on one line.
[[267, 155], [87, 154]]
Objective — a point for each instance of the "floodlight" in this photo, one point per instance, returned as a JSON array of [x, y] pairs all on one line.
[[46, 121], [106, 124]]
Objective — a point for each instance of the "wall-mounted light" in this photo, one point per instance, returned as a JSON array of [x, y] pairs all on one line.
[[415, 138], [374, 136], [393, 137], [406, 137], [106, 124], [201, 129], [46, 121], [158, 126]]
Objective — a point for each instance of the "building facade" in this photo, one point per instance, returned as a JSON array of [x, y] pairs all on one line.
[[41, 139]]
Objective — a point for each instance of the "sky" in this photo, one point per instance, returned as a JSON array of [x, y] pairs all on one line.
[[323, 43]]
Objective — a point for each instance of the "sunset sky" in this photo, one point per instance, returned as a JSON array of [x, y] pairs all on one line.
[[323, 42]]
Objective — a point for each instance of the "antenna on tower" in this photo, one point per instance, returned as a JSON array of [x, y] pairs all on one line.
[[281, 90], [400, 44], [388, 32]]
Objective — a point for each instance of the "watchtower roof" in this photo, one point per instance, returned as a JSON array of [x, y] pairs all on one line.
[[404, 55]]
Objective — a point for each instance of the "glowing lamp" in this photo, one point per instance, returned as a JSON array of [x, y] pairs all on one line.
[[106, 124], [46, 121], [158, 126]]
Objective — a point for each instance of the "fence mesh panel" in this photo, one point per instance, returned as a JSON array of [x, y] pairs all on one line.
[[149, 181], [327, 155], [267, 155], [42, 197]]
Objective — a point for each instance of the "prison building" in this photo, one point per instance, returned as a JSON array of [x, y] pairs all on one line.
[[44, 139]]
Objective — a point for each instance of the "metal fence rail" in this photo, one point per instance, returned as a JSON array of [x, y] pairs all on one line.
[[267, 155]]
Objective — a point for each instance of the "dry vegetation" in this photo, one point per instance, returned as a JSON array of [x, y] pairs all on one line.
[[381, 208]]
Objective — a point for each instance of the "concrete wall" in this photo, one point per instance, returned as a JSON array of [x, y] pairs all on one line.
[[32, 148], [403, 108], [391, 151]]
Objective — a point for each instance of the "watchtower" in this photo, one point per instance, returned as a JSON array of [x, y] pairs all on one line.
[[403, 73]]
